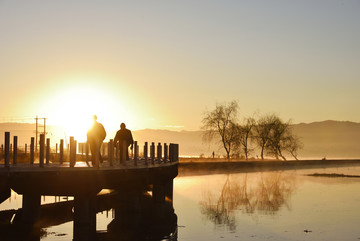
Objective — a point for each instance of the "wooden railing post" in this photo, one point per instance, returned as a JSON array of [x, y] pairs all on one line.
[[124, 155], [146, 152], [42, 150], [117, 151], [152, 153], [165, 152], [111, 151], [159, 151], [61, 151], [97, 153], [135, 147], [15, 151], [7, 149], [86, 151], [32, 150], [47, 151], [103, 149], [25, 149], [176, 152], [72, 151]]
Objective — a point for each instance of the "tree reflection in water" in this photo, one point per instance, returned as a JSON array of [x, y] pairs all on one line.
[[266, 195]]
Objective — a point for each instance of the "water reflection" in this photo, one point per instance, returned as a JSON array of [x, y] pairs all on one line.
[[144, 220], [265, 194]]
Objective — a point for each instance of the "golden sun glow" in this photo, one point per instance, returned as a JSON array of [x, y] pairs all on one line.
[[74, 106]]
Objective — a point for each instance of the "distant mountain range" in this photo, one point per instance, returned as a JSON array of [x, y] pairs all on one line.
[[330, 139]]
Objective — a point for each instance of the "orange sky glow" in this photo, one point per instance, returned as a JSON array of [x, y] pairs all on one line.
[[160, 65]]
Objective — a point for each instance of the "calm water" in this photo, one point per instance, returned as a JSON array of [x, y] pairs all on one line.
[[282, 205]]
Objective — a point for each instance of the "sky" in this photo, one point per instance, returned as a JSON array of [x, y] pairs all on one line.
[[163, 64]]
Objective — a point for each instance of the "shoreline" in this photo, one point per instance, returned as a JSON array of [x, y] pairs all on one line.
[[200, 166]]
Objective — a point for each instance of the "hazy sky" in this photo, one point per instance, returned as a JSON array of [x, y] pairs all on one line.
[[161, 64]]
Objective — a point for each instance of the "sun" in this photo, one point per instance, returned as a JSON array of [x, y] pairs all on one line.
[[73, 108]]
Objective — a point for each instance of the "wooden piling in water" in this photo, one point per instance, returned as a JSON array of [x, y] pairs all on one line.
[[32, 150], [42, 150], [25, 149], [7, 149], [47, 151], [15, 151]]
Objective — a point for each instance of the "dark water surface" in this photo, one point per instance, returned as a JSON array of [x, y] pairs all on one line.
[[279, 205]]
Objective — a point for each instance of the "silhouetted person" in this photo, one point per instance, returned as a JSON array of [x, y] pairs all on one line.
[[95, 136], [124, 135]]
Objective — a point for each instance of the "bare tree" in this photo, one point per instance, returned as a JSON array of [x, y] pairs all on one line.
[[263, 130], [279, 137], [294, 144], [246, 135], [222, 122]]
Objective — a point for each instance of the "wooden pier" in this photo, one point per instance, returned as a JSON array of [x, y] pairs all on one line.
[[151, 173]]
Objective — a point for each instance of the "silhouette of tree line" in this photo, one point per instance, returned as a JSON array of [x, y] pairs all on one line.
[[269, 133]]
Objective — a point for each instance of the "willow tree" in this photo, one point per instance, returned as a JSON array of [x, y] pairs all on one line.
[[222, 122]]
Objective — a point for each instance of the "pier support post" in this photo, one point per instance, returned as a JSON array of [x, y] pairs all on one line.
[[163, 191], [85, 217], [30, 208], [169, 190], [158, 192]]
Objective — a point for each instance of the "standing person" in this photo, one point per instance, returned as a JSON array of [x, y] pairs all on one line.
[[95, 137], [124, 135]]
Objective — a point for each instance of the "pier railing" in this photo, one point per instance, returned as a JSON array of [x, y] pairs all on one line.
[[114, 154]]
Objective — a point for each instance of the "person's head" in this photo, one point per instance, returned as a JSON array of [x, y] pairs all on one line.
[[94, 118], [122, 126]]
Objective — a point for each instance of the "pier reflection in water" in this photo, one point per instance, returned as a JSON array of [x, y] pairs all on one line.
[[143, 219]]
